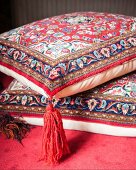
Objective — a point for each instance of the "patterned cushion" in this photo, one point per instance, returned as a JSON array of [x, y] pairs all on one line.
[[113, 103], [70, 53]]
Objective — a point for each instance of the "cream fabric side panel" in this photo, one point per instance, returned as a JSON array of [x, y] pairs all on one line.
[[23, 80], [89, 127], [98, 79]]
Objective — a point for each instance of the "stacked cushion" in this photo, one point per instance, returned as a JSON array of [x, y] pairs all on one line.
[[71, 53], [107, 109]]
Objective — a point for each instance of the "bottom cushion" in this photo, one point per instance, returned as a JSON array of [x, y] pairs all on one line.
[[107, 109]]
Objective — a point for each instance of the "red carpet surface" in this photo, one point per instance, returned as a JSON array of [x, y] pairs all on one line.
[[88, 151]]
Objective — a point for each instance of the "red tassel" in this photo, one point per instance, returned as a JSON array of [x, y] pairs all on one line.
[[54, 144]]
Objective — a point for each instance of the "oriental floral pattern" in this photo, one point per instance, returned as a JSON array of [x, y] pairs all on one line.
[[113, 101], [61, 51]]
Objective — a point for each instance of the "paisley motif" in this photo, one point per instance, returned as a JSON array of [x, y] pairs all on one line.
[[113, 101], [64, 50]]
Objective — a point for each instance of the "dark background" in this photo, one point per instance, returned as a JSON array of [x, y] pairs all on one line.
[[5, 15], [14, 13]]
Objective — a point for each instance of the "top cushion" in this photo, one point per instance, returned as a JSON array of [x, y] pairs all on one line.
[[70, 53]]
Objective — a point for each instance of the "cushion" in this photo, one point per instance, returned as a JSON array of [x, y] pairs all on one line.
[[71, 53], [107, 109]]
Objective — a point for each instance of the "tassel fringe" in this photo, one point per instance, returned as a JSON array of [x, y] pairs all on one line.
[[13, 128], [54, 144]]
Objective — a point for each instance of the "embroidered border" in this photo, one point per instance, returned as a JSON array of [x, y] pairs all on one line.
[[83, 63], [117, 109]]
